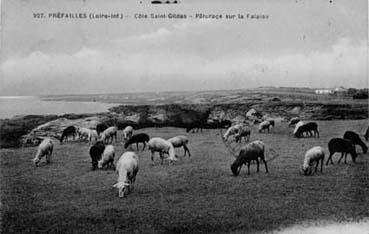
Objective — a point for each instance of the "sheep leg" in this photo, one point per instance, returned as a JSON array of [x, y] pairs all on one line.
[[152, 155], [316, 166], [321, 165], [161, 157], [144, 146], [248, 167], [186, 149], [266, 166], [137, 145], [329, 158], [257, 165], [345, 158], [340, 157]]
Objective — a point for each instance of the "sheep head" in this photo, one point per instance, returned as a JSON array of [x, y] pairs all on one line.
[[235, 168], [123, 188]]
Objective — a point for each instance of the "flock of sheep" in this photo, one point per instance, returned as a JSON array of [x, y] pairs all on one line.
[[102, 151]]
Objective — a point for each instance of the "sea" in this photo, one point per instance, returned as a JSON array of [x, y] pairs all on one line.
[[11, 106]]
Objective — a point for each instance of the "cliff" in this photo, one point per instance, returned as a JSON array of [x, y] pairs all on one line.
[[22, 131]]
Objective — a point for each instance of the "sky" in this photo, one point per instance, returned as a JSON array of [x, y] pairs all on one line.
[[303, 43]]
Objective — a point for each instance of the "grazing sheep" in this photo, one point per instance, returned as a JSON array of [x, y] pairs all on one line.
[[127, 132], [67, 132], [343, 146], [162, 146], [179, 141], [100, 128], [248, 153], [138, 138], [266, 125], [355, 138], [235, 129], [299, 124], [109, 133], [127, 168], [367, 134], [95, 152], [195, 125], [44, 149], [107, 157], [293, 121], [83, 133], [244, 132], [223, 123], [93, 136], [310, 128], [315, 154]]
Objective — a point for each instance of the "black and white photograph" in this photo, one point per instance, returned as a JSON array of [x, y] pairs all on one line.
[[184, 116]]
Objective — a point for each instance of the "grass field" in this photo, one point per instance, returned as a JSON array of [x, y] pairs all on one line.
[[195, 195]]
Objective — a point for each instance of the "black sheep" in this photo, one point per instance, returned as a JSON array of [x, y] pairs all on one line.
[[195, 125], [310, 128], [343, 146], [251, 152], [68, 131], [355, 138], [100, 128], [138, 138], [95, 153]]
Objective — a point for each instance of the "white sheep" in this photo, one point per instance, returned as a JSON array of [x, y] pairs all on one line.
[[107, 157], [127, 168], [157, 144], [127, 132], [109, 133], [297, 126], [83, 133], [266, 125], [44, 149], [232, 131], [179, 141], [314, 154], [92, 136]]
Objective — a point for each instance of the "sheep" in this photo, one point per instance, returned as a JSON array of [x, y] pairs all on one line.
[[195, 125], [367, 134], [44, 149], [341, 145], [95, 152], [127, 132], [179, 141], [107, 157], [310, 128], [126, 168], [67, 132], [248, 153], [83, 133], [355, 138], [109, 133], [100, 128], [315, 154], [293, 121], [138, 138], [223, 123], [244, 132], [299, 124], [92, 136], [162, 146], [266, 125], [232, 131]]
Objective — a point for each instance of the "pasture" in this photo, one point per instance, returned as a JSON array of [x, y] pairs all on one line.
[[194, 195]]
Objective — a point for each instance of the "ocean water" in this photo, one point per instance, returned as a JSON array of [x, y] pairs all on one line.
[[26, 105]]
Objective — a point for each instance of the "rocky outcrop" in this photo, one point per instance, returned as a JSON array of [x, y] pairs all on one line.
[[24, 130]]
